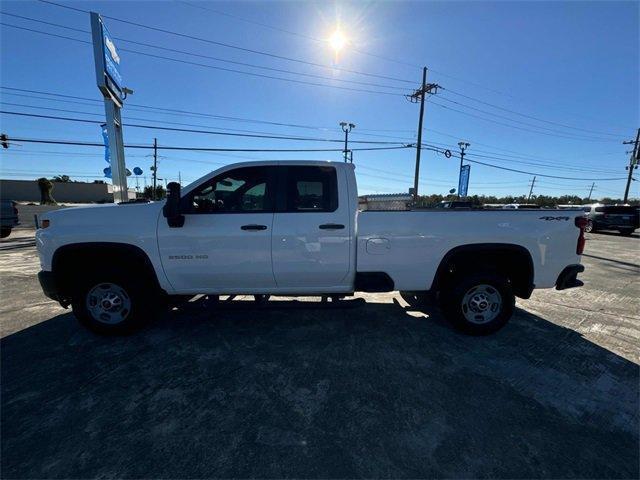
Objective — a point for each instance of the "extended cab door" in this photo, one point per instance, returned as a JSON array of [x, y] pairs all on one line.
[[311, 229], [225, 243]]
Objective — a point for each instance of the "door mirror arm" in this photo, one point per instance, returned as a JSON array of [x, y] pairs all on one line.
[[171, 209]]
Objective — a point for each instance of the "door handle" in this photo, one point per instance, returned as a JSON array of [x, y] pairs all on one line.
[[331, 226], [253, 227]]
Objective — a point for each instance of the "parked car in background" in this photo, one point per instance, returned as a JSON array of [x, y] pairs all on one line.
[[454, 204], [623, 218], [521, 206], [8, 217]]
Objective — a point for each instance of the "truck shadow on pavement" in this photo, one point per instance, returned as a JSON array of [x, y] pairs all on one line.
[[291, 390]]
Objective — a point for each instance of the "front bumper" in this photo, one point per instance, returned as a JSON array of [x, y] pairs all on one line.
[[50, 287], [568, 277]]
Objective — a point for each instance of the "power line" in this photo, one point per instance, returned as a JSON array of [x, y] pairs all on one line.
[[334, 68], [516, 127], [217, 59], [540, 174], [204, 149], [228, 45], [185, 130], [168, 111], [174, 112], [543, 132], [505, 149], [529, 116], [356, 50], [539, 164], [230, 70]]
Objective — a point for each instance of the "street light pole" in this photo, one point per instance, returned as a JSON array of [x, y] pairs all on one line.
[[346, 128], [463, 146]]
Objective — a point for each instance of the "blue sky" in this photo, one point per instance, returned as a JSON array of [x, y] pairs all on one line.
[[573, 65]]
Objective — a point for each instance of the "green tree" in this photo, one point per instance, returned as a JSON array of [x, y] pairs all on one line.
[[61, 178], [46, 187], [148, 192]]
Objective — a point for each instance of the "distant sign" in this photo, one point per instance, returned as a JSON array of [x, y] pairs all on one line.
[[111, 58], [463, 184], [107, 59]]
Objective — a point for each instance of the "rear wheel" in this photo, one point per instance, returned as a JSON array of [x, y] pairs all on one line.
[[5, 232], [478, 303], [114, 304], [626, 231]]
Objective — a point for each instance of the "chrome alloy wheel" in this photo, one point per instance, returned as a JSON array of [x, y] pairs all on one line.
[[481, 304], [108, 303]]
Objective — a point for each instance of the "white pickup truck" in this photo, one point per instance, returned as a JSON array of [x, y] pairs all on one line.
[[294, 228]]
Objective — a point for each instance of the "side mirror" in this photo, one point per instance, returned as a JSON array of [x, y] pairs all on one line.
[[171, 209]]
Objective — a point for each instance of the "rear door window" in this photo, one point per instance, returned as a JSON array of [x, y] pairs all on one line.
[[310, 189]]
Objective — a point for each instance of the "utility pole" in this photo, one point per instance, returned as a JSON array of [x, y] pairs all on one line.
[[633, 162], [533, 182], [420, 94], [591, 190], [463, 146], [155, 167], [346, 128], [179, 178]]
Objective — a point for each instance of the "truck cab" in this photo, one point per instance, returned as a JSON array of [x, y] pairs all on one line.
[[288, 227]]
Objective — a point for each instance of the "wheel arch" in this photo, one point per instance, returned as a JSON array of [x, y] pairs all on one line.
[[513, 260], [73, 260]]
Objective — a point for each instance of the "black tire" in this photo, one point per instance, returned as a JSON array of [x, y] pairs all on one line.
[[415, 299], [139, 302], [589, 227], [5, 232], [456, 305], [626, 231]]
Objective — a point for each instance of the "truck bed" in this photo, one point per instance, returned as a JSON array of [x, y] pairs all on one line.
[[409, 245]]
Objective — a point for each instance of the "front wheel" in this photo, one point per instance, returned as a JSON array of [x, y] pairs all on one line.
[[415, 299], [5, 232], [626, 231], [113, 304], [478, 303]]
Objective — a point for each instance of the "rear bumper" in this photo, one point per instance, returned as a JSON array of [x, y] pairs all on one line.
[[568, 277]]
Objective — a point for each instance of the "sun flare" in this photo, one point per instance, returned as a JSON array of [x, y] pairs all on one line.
[[337, 40]]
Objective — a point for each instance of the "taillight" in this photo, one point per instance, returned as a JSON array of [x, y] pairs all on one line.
[[15, 208], [581, 223]]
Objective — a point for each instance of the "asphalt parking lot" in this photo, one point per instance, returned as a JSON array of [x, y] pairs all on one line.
[[295, 389]]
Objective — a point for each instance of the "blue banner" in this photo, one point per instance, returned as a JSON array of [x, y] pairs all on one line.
[[463, 184], [107, 158], [105, 137]]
